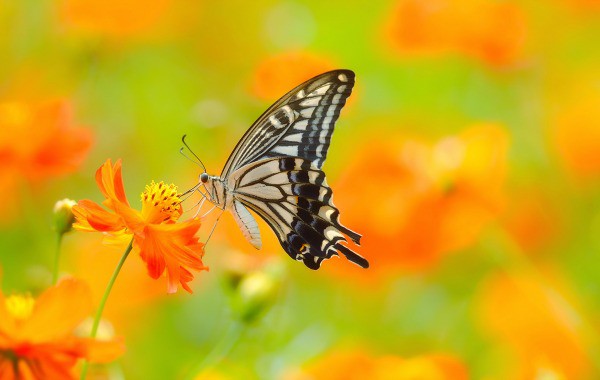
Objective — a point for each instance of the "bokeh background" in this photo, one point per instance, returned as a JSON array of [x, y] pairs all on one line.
[[468, 157]]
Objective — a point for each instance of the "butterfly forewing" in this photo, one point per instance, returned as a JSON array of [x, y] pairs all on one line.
[[300, 124]]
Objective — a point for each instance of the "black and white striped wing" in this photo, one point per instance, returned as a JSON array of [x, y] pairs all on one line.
[[292, 196], [300, 124]]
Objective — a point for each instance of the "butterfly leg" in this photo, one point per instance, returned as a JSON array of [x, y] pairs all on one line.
[[213, 228]]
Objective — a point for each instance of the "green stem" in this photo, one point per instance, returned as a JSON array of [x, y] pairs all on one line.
[[220, 350], [98, 316], [57, 258]]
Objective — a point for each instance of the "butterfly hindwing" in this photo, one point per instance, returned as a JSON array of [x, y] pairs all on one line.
[[300, 124], [291, 194]]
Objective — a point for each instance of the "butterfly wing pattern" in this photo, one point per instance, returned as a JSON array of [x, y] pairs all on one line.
[[275, 170], [292, 196], [300, 124]]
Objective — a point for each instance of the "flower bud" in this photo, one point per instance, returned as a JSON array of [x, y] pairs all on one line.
[[63, 215], [253, 293]]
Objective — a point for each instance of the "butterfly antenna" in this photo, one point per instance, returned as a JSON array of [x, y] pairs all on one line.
[[190, 191], [192, 152], [188, 157]]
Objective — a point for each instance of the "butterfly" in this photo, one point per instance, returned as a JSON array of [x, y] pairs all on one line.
[[275, 171]]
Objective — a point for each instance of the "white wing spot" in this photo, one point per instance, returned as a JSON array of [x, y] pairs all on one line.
[[343, 78], [321, 90], [296, 137], [342, 88], [319, 150], [323, 135], [289, 112], [301, 125], [311, 102], [331, 233], [286, 150], [307, 112], [273, 120], [331, 111], [328, 212]]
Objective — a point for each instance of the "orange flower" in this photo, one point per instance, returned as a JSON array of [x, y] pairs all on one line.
[[133, 294], [533, 219], [163, 244], [113, 18], [357, 364], [577, 136], [277, 75], [37, 141], [493, 32], [36, 336], [536, 324], [427, 200], [585, 5]]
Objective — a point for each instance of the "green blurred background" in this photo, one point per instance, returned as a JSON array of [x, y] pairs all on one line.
[[468, 156]]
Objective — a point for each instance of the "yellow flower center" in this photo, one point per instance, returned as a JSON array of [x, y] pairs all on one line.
[[160, 203], [20, 306]]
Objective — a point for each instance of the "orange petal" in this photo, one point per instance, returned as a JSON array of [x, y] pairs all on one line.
[[172, 246], [101, 173], [58, 311], [110, 181], [152, 256], [90, 214], [132, 218], [48, 367], [6, 369], [24, 372], [179, 242], [185, 276], [173, 276], [103, 351], [119, 189], [7, 322]]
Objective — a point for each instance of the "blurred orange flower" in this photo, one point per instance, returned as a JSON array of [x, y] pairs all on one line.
[[277, 75], [424, 201], [533, 219], [113, 18], [349, 365], [492, 31], [38, 141], [576, 136], [162, 243], [36, 336], [536, 324], [133, 294], [586, 5]]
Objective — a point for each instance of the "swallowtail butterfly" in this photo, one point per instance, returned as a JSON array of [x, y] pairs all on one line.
[[275, 171]]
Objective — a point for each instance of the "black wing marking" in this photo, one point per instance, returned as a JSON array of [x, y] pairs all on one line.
[[300, 124], [293, 197]]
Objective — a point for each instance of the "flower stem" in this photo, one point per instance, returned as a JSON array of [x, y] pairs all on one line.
[[57, 258], [98, 316], [220, 350]]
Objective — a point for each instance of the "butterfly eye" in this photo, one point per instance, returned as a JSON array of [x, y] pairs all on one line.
[[204, 177]]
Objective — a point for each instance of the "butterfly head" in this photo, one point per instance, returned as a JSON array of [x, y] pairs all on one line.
[[204, 177]]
